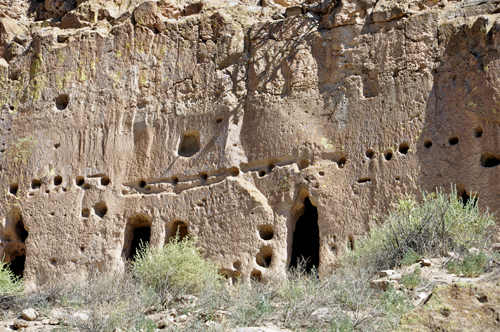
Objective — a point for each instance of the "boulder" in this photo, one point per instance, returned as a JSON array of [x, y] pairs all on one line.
[[21, 323], [29, 314], [382, 284], [386, 273]]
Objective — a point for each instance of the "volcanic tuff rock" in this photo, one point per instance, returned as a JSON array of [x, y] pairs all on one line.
[[270, 133]]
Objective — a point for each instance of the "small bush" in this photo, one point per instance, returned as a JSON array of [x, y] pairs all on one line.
[[10, 284], [438, 224], [411, 257], [412, 280], [174, 269], [471, 267]]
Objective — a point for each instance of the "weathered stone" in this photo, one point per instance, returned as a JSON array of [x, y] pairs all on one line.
[[495, 247], [8, 30], [248, 132], [388, 10], [386, 273], [29, 314], [383, 284], [425, 262], [21, 323], [294, 11]]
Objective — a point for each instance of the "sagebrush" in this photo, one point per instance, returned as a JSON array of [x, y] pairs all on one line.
[[438, 224]]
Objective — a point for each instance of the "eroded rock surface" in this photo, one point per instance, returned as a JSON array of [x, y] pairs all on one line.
[[237, 122]]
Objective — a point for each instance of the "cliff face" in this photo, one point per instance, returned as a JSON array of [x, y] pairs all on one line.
[[237, 123]]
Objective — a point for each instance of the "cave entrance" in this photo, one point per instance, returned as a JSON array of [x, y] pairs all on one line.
[[305, 245], [137, 232], [16, 250], [178, 227], [140, 238], [17, 265]]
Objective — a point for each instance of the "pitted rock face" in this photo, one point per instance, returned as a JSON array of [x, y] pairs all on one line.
[[59, 7], [270, 133]]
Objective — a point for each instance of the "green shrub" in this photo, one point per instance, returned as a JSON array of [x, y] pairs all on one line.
[[10, 284], [412, 280], [176, 268], [472, 266], [439, 223], [411, 257]]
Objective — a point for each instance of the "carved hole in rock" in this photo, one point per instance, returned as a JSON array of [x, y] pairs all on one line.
[[47, 191], [388, 155], [303, 163], [264, 257], [266, 232], [262, 173], [488, 159], [36, 184], [256, 275], [190, 144], [175, 180], [85, 213], [321, 173], [350, 242], [341, 161], [305, 245], [57, 180], [363, 180], [141, 236], [218, 119], [13, 188], [478, 131], [52, 213], [369, 153], [203, 176], [100, 209], [105, 181], [234, 171], [403, 148], [17, 265], [178, 228], [57, 145], [21, 232], [453, 140], [142, 183], [137, 231], [80, 181], [464, 196], [53, 261], [270, 167], [62, 102], [427, 144], [237, 265], [333, 248]]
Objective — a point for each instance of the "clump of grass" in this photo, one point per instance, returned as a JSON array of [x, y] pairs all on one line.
[[411, 257], [412, 280], [471, 267], [10, 284], [176, 268], [437, 224]]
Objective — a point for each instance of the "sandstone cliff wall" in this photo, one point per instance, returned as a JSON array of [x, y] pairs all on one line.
[[235, 122]]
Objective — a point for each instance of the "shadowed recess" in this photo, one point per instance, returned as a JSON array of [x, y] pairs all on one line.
[[190, 144], [179, 227], [141, 237], [488, 159], [305, 245]]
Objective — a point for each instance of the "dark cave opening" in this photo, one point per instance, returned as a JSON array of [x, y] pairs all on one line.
[[17, 265], [305, 245], [141, 236]]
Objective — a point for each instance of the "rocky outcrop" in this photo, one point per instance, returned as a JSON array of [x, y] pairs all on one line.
[[236, 124]]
